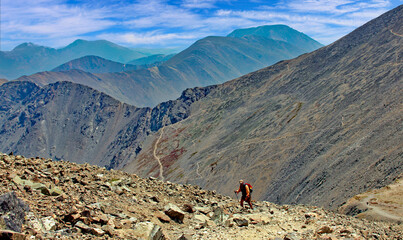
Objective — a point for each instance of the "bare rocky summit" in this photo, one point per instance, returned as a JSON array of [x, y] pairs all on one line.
[[62, 200]]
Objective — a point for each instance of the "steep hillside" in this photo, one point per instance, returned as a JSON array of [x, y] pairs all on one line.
[[94, 64], [2, 80], [317, 129], [76, 123], [209, 61], [29, 58], [61, 200]]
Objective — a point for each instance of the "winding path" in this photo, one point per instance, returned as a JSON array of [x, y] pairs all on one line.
[[156, 157], [378, 210]]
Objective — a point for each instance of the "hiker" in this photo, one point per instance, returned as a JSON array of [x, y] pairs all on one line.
[[246, 190]]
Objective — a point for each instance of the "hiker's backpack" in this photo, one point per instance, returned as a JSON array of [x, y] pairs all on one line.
[[250, 187]]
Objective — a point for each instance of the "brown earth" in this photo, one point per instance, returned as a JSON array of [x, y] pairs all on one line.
[[80, 201]]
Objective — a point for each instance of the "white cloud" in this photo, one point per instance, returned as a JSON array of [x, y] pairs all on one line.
[[45, 19], [334, 6], [149, 21], [199, 3], [149, 38]]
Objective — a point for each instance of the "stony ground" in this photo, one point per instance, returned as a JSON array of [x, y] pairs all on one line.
[[72, 201]]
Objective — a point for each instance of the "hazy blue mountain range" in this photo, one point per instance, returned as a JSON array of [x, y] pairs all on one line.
[[317, 129], [208, 61], [281, 33], [28, 58], [152, 60], [94, 64]]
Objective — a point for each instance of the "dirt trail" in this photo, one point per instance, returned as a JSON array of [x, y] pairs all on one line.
[[376, 209], [157, 158], [396, 34]]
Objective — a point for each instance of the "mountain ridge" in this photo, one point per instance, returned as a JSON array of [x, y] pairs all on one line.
[[317, 129], [279, 32], [29, 58], [208, 61], [303, 130]]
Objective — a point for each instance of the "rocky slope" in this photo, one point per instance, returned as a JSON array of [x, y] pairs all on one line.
[[2, 80], [317, 129], [76, 123], [62, 200], [211, 60]]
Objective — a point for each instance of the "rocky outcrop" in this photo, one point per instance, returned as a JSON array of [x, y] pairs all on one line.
[[95, 203], [12, 212]]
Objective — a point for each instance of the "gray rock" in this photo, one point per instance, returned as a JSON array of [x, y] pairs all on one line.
[[149, 231], [219, 217], [241, 222], [32, 222], [97, 232], [48, 223], [204, 210], [83, 226], [12, 211], [174, 212]]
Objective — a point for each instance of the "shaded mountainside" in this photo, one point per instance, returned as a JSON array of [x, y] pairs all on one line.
[[61, 200], [76, 123], [94, 64], [29, 58], [317, 129], [209, 61]]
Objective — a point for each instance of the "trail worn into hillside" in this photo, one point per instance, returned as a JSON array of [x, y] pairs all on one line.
[[161, 174], [378, 210]]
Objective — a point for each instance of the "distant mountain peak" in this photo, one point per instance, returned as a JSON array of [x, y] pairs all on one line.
[[278, 32], [26, 45]]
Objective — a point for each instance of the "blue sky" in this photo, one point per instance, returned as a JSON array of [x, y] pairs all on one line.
[[157, 23]]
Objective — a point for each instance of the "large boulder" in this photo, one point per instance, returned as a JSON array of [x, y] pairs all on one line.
[[12, 211], [149, 231], [174, 212]]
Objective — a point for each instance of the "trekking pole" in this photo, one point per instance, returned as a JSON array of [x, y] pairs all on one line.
[[236, 196]]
